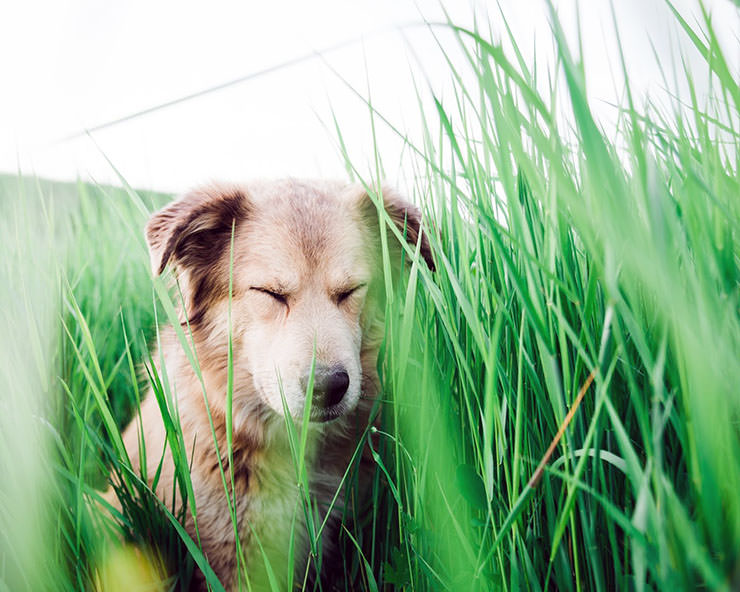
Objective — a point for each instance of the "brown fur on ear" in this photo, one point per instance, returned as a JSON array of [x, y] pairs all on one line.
[[188, 230], [407, 218], [194, 232]]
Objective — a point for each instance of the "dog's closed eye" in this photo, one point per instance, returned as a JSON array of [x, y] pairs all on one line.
[[274, 294], [341, 296]]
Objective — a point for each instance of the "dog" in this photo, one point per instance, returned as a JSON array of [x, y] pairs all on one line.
[[290, 273]]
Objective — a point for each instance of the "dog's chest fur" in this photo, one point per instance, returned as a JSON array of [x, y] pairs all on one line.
[[272, 521]]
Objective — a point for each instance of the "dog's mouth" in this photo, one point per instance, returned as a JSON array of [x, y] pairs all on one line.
[[318, 413], [327, 414]]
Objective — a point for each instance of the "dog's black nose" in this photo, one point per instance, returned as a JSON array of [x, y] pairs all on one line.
[[336, 385], [329, 386]]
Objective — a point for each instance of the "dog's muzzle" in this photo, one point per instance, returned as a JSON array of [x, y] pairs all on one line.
[[329, 387]]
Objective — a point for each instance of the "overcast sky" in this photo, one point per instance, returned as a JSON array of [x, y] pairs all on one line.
[[70, 66]]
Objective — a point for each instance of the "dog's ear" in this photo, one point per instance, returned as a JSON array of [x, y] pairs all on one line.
[[192, 230], [407, 218]]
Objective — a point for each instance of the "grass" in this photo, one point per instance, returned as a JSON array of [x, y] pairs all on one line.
[[580, 275]]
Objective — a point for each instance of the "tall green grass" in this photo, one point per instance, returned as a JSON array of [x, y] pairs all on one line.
[[564, 255], [569, 262]]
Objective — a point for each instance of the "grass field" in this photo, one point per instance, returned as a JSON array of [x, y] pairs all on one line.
[[563, 392]]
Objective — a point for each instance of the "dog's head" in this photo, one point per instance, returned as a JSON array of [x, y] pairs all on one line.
[[307, 282]]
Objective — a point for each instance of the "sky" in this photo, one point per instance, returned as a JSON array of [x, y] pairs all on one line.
[[72, 66]]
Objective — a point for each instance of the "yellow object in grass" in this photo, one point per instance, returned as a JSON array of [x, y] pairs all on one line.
[[128, 568]]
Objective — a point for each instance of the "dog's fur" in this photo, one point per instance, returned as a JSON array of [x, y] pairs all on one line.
[[307, 284]]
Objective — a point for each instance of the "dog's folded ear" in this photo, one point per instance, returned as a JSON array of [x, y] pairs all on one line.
[[194, 229], [407, 218]]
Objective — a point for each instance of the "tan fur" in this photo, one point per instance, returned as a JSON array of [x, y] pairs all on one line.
[[312, 242]]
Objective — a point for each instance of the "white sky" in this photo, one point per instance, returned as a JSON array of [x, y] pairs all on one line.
[[68, 66]]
